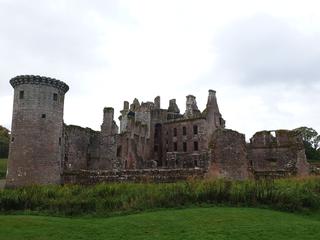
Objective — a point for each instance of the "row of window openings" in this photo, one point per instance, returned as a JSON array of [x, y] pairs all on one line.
[[21, 96], [184, 131], [175, 147], [184, 146]]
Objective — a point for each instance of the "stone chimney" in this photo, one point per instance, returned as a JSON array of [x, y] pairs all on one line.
[[212, 101], [107, 125], [191, 107], [157, 102], [125, 105], [135, 105], [173, 107], [213, 115]]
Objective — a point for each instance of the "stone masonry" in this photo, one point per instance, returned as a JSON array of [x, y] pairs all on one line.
[[152, 144], [36, 146]]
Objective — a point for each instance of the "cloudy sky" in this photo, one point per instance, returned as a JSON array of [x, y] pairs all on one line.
[[262, 57]]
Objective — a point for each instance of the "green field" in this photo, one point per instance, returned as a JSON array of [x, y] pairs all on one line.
[[196, 223], [3, 168]]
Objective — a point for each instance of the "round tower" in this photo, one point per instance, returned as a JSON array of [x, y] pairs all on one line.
[[37, 131]]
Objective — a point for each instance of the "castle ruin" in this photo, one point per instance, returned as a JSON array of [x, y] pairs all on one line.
[[152, 143]]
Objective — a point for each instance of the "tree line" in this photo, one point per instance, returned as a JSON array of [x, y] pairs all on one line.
[[311, 141], [4, 142]]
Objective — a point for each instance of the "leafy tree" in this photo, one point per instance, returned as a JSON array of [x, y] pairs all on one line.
[[311, 140], [4, 142]]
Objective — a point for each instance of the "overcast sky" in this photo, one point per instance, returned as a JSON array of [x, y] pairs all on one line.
[[262, 57]]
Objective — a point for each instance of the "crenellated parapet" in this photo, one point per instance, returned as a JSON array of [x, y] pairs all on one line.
[[39, 80]]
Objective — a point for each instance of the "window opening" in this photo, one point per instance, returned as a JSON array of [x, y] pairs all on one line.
[[184, 146], [174, 132], [195, 146], [195, 129], [184, 131], [175, 146], [21, 94]]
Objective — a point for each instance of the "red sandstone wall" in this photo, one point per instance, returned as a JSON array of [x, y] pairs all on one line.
[[228, 155], [282, 151]]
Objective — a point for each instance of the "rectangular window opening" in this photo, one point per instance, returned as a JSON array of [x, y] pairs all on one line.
[[55, 97], [175, 147], [174, 132], [195, 146], [59, 141], [195, 129], [184, 131], [21, 94], [184, 146], [155, 148], [43, 116], [12, 139]]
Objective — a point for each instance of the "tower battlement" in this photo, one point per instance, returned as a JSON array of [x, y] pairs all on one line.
[[39, 80]]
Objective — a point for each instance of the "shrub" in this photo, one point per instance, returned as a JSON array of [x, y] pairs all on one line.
[[104, 199]]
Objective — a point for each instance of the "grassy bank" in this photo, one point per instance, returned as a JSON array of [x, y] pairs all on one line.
[[3, 168], [111, 199], [196, 223]]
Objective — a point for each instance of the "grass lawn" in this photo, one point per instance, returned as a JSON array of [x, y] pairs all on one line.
[[194, 223], [3, 167]]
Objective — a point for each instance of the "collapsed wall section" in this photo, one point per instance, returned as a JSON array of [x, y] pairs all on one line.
[[228, 155], [82, 148], [277, 154]]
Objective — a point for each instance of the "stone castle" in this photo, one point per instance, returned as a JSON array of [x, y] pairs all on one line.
[[152, 144]]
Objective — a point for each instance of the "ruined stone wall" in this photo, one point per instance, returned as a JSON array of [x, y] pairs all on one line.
[[277, 151], [199, 159], [142, 175], [158, 117], [134, 146], [137, 135], [82, 147], [108, 142], [185, 136], [228, 155]]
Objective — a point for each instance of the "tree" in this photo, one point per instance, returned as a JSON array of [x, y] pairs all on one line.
[[311, 141], [4, 142]]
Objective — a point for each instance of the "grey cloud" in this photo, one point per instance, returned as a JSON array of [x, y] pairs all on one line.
[[43, 33], [264, 50], [55, 38]]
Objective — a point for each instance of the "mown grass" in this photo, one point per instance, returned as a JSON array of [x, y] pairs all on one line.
[[3, 168], [111, 199], [196, 223]]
